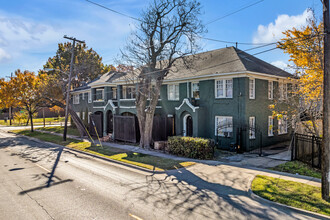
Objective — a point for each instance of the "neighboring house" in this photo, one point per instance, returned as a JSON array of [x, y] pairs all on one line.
[[224, 96]]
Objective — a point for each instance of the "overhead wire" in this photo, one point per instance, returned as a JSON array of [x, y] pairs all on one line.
[[234, 12], [206, 38], [216, 40]]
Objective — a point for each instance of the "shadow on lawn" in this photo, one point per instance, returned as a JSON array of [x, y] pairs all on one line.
[[155, 162], [184, 194]]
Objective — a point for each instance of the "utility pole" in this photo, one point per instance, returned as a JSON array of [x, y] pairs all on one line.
[[326, 104], [10, 109], [74, 40]]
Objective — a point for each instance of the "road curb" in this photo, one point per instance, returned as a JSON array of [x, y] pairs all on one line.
[[298, 210], [93, 155], [313, 179]]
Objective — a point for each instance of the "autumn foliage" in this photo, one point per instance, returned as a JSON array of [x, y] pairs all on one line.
[[305, 48], [24, 90]]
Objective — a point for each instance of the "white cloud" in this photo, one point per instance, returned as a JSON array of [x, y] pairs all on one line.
[[280, 64], [18, 35], [4, 56], [273, 31]]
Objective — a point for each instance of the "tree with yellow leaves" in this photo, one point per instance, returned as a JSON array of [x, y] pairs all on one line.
[[29, 91], [6, 96], [305, 47]]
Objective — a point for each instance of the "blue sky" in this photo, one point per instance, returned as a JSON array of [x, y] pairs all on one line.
[[30, 30]]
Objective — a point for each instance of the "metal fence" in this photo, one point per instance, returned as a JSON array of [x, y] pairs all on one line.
[[243, 138], [307, 149]]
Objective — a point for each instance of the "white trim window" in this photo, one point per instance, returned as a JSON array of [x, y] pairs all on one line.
[[283, 125], [270, 90], [88, 117], [283, 90], [128, 92], [89, 97], [78, 113], [224, 88], [270, 126], [76, 99], [173, 92], [99, 94], [252, 127], [114, 93], [224, 126], [83, 96], [252, 88], [83, 115], [195, 90]]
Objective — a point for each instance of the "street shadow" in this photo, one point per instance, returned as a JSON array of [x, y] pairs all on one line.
[[184, 193], [36, 152]]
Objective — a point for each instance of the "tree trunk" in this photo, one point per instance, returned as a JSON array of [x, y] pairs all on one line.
[[10, 116], [146, 114], [43, 116], [27, 122], [31, 115]]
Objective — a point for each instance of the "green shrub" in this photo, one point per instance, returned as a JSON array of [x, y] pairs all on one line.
[[197, 148]]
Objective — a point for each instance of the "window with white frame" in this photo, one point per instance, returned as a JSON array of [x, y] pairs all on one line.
[[252, 88], [83, 96], [270, 126], [283, 125], [76, 99], [128, 92], [78, 113], [224, 88], [83, 115], [283, 89], [89, 97], [224, 126], [114, 93], [99, 94], [173, 92], [270, 90], [252, 127], [195, 90], [88, 117]]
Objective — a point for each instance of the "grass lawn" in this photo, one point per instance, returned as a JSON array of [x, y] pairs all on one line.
[[298, 167], [291, 193], [59, 129], [36, 121], [141, 160]]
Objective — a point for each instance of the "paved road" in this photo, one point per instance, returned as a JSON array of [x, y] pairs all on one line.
[[82, 187]]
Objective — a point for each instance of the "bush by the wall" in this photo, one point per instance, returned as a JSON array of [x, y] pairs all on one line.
[[197, 148]]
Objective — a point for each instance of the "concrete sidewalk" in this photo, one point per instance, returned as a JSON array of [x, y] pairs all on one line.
[[225, 179], [251, 165]]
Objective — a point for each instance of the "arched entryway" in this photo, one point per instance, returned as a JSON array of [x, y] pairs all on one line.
[[187, 125], [109, 122]]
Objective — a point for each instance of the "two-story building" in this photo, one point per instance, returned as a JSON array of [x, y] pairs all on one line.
[[224, 96]]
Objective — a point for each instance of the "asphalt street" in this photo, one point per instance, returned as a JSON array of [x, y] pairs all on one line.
[[38, 181]]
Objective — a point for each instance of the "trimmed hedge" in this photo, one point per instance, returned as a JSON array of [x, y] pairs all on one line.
[[197, 148]]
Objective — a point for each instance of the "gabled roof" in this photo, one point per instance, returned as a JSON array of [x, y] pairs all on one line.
[[224, 60]]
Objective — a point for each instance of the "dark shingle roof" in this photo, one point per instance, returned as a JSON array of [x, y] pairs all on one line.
[[254, 64], [224, 60]]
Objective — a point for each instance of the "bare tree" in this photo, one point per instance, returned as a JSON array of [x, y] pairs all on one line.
[[168, 31]]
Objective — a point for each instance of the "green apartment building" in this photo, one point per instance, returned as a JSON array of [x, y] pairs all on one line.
[[225, 95]]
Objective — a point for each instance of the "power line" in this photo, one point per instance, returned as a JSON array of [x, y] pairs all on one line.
[[112, 10], [234, 12], [230, 42], [210, 39]]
